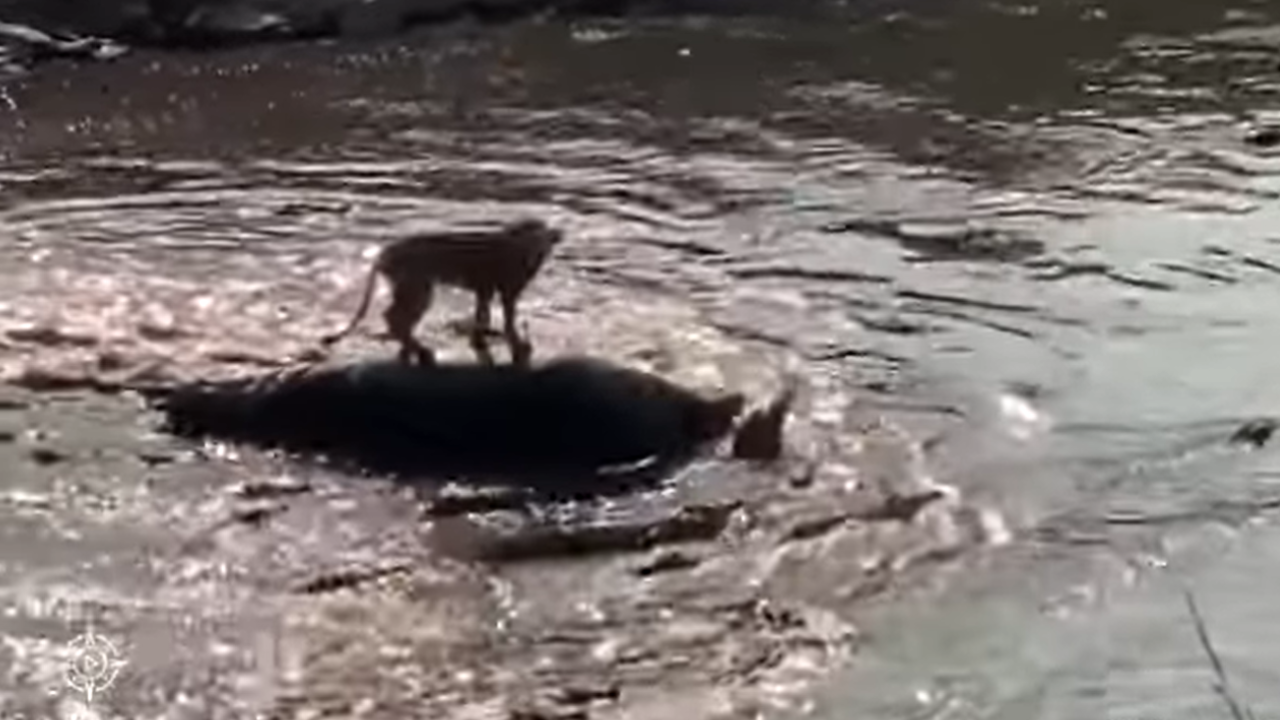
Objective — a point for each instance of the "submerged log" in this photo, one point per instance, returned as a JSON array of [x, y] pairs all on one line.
[[683, 524]]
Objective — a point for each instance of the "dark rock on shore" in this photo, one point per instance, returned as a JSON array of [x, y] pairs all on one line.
[[1254, 433], [22, 46], [543, 427], [1263, 137]]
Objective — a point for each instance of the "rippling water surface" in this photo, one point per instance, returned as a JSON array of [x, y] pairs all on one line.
[[1041, 214]]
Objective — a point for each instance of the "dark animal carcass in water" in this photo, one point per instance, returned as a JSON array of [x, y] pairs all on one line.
[[542, 427]]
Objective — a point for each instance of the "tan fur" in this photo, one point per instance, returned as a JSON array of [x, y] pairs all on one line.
[[499, 262]]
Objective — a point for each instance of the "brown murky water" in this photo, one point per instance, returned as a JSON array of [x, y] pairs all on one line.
[[1033, 228]]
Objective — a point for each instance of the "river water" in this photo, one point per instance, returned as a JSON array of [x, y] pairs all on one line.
[[1041, 214]]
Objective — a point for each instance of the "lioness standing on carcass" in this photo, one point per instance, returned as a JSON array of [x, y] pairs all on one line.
[[498, 262]]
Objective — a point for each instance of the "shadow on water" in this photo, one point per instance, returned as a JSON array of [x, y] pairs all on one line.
[[572, 425]]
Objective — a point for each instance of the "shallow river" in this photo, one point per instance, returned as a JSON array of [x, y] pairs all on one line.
[[1040, 214]]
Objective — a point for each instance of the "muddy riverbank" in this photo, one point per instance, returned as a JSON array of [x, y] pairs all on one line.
[[33, 32]]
